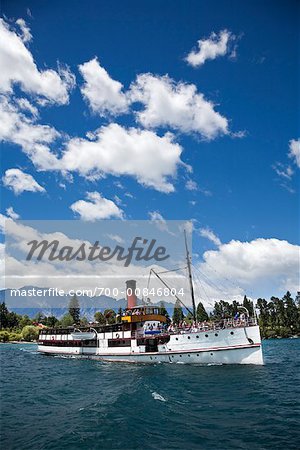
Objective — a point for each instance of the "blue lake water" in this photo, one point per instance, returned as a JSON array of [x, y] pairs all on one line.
[[62, 403]]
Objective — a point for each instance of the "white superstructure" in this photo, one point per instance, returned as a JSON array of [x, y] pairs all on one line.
[[143, 337]]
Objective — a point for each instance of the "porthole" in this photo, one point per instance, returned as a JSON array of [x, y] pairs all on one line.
[[180, 356], [172, 356], [206, 335], [176, 339], [216, 334], [197, 354], [197, 337], [189, 356], [211, 354], [189, 337], [231, 332]]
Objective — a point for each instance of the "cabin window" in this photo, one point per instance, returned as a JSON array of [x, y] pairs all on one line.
[[216, 334], [206, 335], [197, 337], [231, 332], [119, 343], [189, 337]]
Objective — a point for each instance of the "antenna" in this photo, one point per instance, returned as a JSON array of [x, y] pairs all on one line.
[[188, 259]]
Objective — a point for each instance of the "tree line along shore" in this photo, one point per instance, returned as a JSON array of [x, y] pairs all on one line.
[[277, 318]]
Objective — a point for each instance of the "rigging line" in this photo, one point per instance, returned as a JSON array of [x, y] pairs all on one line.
[[173, 270], [225, 288], [204, 290], [210, 282], [230, 281]]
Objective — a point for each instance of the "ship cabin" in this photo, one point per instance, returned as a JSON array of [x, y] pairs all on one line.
[[144, 313], [144, 320]]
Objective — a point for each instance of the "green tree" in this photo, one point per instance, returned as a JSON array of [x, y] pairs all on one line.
[[30, 333], [74, 309], [99, 317], [291, 312], [201, 314], [4, 336], [119, 315], [3, 316], [67, 320], [25, 320], [163, 311], [178, 315], [15, 336], [248, 304], [39, 317], [84, 322], [50, 321], [110, 316]]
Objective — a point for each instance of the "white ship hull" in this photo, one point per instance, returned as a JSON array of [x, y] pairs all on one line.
[[229, 346]]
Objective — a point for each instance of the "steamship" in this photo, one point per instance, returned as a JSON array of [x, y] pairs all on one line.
[[142, 335]]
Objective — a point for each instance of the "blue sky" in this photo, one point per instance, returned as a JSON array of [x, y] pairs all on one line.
[[244, 183]]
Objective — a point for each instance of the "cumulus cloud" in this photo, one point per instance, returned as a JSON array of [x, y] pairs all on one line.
[[191, 185], [11, 213], [261, 267], [96, 207], [16, 127], [294, 152], [20, 181], [283, 171], [103, 94], [25, 105], [216, 45], [18, 67], [142, 154], [210, 235], [176, 105], [26, 36]]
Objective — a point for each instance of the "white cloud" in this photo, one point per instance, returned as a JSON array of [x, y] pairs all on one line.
[[216, 45], [209, 234], [161, 223], [20, 181], [103, 94], [156, 216], [117, 200], [17, 128], [12, 214], [283, 171], [294, 152], [129, 195], [116, 238], [262, 267], [18, 67], [25, 30], [176, 105], [96, 207], [149, 158], [26, 106], [191, 185]]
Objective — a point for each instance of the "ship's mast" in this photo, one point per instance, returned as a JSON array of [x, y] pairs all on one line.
[[188, 259]]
